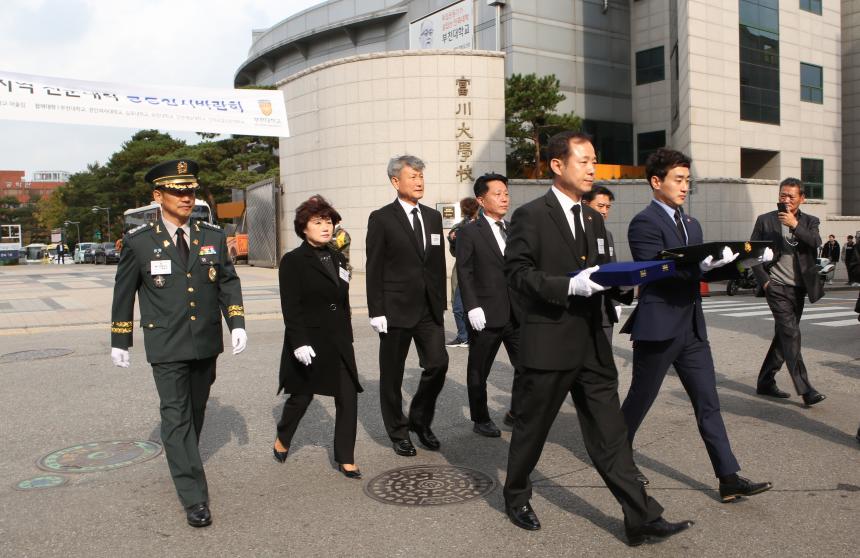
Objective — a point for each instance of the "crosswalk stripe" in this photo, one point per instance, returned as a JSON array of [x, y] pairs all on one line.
[[768, 312], [838, 323], [733, 308], [829, 315]]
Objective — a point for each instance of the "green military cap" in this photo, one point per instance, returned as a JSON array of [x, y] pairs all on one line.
[[174, 175]]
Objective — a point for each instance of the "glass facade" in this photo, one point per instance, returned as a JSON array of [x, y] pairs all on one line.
[[650, 66], [812, 176], [647, 143], [759, 60], [811, 83], [613, 141], [813, 6]]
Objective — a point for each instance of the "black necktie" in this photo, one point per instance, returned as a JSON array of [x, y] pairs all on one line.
[[182, 246], [581, 244], [680, 226], [418, 230], [503, 230]]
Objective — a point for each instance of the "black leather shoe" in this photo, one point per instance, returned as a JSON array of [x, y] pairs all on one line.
[[524, 517], [509, 419], [354, 474], [858, 433], [659, 528], [404, 448], [488, 429], [730, 491], [426, 437], [198, 515], [773, 391], [280, 456], [812, 397], [642, 479]]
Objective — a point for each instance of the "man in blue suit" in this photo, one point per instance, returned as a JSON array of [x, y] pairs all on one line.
[[668, 326]]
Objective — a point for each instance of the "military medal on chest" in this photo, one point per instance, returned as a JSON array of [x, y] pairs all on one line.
[[213, 274], [158, 280]]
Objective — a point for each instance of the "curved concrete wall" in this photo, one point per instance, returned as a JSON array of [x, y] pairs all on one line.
[[348, 117]]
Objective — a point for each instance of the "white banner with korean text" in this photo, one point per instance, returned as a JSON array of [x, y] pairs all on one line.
[[448, 28], [256, 112]]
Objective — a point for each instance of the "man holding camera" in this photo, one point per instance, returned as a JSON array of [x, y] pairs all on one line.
[[785, 281]]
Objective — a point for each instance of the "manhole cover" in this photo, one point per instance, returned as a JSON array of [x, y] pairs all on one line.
[[34, 354], [429, 485], [42, 481], [98, 456]]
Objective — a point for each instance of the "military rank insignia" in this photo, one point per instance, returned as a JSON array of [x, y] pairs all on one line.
[[213, 274], [166, 243], [158, 280]]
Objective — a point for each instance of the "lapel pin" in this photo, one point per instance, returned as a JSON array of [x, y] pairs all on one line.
[[195, 242], [166, 243]]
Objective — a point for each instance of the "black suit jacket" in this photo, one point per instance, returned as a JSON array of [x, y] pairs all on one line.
[[398, 279], [481, 274], [540, 252], [316, 312], [768, 227]]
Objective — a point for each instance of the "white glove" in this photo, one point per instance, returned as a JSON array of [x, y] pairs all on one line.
[[379, 324], [582, 285], [239, 339], [709, 263], [120, 357], [764, 258], [304, 354], [477, 318], [618, 312]]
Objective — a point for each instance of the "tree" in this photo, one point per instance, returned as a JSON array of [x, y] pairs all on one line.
[[530, 120]]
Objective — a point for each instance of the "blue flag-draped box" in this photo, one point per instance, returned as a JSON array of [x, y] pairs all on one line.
[[629, 274]]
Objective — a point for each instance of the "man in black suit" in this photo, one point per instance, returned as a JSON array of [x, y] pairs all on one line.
[[668, 326], [405, 299], [791, 276], [831, 250], [562, 347], [491, 307]]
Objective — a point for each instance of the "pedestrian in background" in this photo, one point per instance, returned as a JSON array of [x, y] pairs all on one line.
[[830, 250], [182, 273], [317, 356], [469, 211], [850, 258]]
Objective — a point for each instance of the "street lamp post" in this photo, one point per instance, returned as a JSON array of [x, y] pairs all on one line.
[[96, 209], [77, 225]]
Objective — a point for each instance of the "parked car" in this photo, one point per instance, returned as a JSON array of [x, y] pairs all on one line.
[[85, 252], [105, 253]]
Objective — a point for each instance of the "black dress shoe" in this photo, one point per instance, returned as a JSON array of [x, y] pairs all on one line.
[[858, 434], [524, 517], [198, 515], [488, 429], [812, 397], [642, 479], [659, 528], [404, 448], [509, 419], [773, 391], [354, 474], [280, 456], [730, 491], [426, 437]]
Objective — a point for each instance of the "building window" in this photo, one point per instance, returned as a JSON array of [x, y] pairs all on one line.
[[649, 65], [648, 143], [812, 176], [811, 83], [759, 60], [813, 6]]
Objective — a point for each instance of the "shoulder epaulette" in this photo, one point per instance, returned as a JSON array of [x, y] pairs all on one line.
[[139, 228], [209, 225]]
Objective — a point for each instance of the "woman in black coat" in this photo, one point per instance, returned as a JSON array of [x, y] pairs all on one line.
[[317, 357]]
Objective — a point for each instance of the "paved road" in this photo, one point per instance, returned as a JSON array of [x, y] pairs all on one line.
[[305, 508]]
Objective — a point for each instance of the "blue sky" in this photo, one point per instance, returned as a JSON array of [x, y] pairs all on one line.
[[198, 43]]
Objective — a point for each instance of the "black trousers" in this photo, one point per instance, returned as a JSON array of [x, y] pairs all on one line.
[[483, 348], [594, 388], [695, 366], [786, 305], [345, 418], [183, 388], [429, 338]]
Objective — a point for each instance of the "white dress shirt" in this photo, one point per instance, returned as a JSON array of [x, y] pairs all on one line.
[[171, 230], [408, 209], [566, 205], [497, 233]]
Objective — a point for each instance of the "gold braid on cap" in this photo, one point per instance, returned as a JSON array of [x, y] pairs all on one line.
[[176, 182]]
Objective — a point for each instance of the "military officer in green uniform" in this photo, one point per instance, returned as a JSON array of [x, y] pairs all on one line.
[[182, 273]]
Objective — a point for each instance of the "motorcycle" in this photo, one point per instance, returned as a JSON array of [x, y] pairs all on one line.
[[746, 280]]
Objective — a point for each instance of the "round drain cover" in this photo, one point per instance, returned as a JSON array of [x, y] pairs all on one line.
[[35, 354], [99, 456], [429, 485], [40, 482]]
